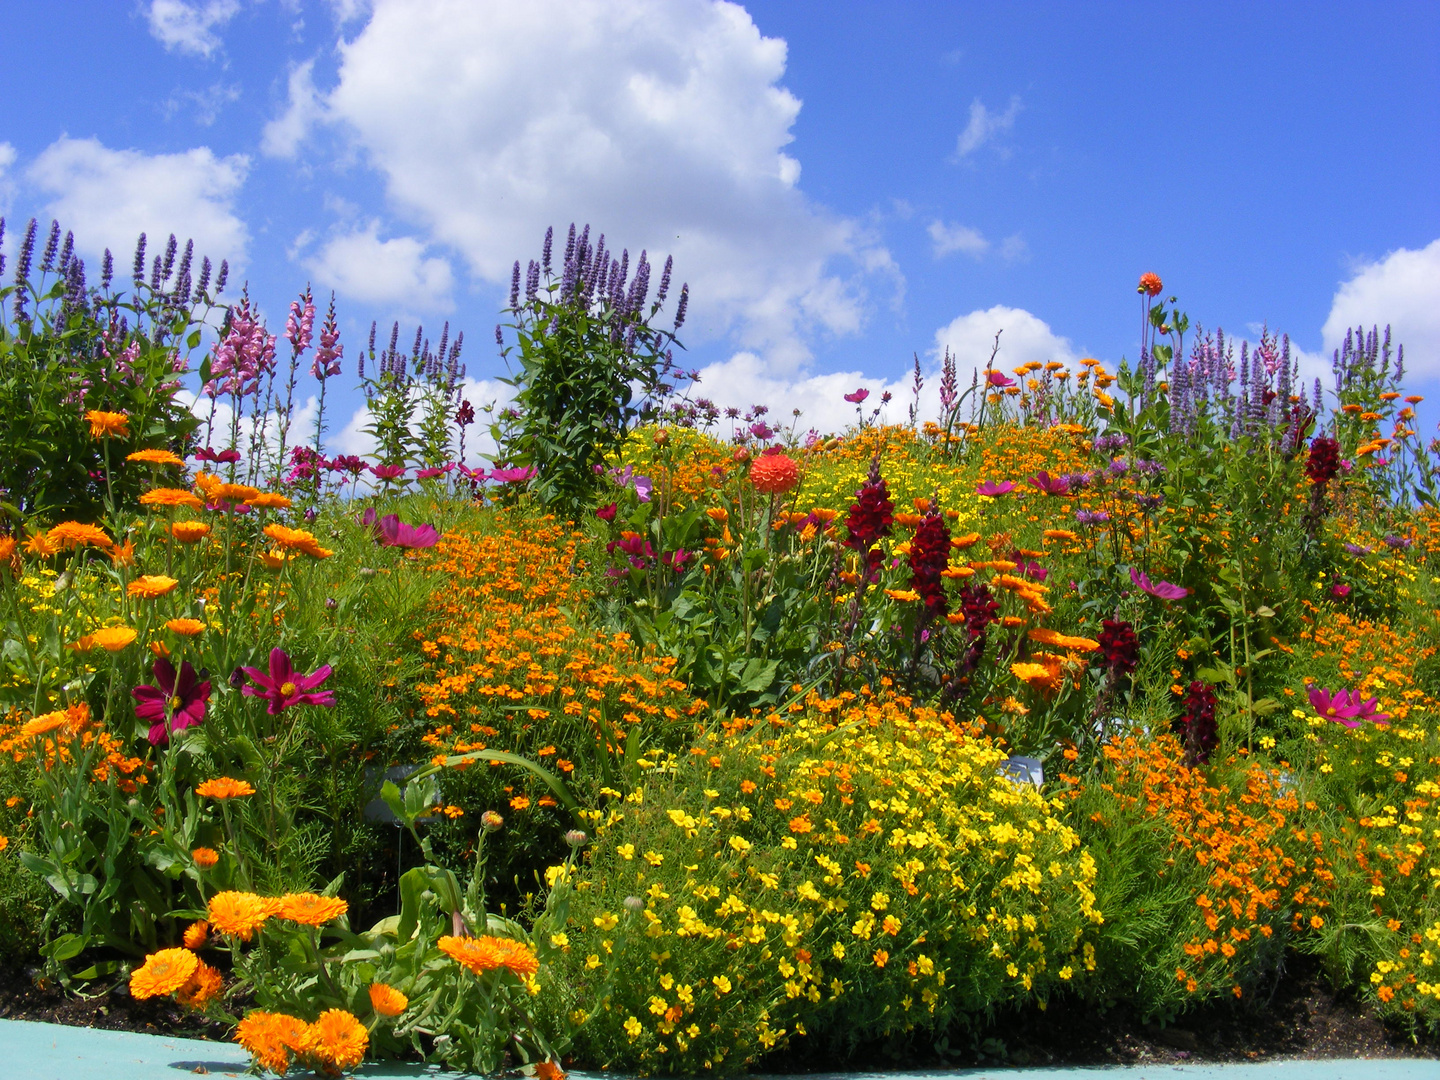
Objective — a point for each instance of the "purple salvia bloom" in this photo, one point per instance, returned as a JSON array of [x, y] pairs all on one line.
[[499, 335], [168, 266], [1091, 517], [203, 285], [138, 272], [419, 340], [27, 250], [545, 250], [665, 280], [222, 277], [532, 283], [682, 305], [155, 265], [515, 286], [52, 243], [67, 250], [444, 344]]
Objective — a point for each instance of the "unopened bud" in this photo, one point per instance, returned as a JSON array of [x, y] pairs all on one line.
[[490, 821], [662, 437], [576, 838], [634, 903]]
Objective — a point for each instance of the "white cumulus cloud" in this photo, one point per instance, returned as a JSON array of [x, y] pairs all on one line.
[[359, 265], [661, 122], [948, 239], [1402, 290], [1023, 337], [984, 125], [282, 136], [190, 27], [108, 197]]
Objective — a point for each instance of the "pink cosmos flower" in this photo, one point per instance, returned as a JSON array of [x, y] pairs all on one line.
[[1346, 707], [1339, 591], [1163, 589], [994, 490], [998, 379], [388, 472], [516, 475], [1050, 485], [177, 702], [284, 686], [858, 396]]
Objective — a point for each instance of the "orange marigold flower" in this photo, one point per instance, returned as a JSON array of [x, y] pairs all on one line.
[[386, 1000], [123, 554], [488, 953], [204, 986], [881, 958], [155, 457], [337, 1040], [108, 423], [38, 545], [269, 500], [43, 725], [185, 627], [310, 908], [7, 548], [774, 474], [223, 787], [1150, 285], [238, 493], [150, 586], [170, 497], [549, 1070], [272, 1038], [189, 532], [164, 972], [197, 933], [205, 857], [238, 914], [74, 534], [112, 638]]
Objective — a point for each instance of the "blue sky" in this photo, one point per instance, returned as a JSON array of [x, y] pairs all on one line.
[[843, 185]]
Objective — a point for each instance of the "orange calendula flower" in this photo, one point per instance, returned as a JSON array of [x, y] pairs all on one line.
[[196, 934], [205, 857], [189, 532], [272, 1038], [155, 457], [337, 1040], [171, 497], [112, 638], [549, 1070], [1060, 534], [1030, 673], [185, 627], [269, 500], [489, 953], [310, 908], [164, 972], [73, 534], [123, 554], [151, 586], [38, 545], [8, 545], [386, 1000], [44, 724], [103, 424], [238, 914], [223, 787], [204, 986], [238, 493], [1062, 641], [297, 540]]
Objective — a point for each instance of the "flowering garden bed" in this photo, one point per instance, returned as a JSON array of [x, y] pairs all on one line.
[[678, 742]]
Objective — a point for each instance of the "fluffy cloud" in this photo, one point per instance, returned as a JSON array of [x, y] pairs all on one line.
[[282, 136], [359, 265], [947, 239], [108, 197], [1401, 290], [984, 125], [190, 27], [1023, 338], [661, 122]]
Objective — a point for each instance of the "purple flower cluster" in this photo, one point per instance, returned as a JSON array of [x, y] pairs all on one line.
[[243, 356]]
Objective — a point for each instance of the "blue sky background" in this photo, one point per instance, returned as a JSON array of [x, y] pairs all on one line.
[[843, 184]]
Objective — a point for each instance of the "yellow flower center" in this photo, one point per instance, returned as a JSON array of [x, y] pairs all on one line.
[[288, 689], [175, 703]]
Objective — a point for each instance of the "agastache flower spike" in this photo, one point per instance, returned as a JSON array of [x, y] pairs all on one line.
[[515, 286], [138, 270], [682, 305]]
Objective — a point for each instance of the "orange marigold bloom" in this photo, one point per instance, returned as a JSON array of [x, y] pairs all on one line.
[[269, 500], [204, 986], [197, 933], [38, 545], [7, 548], [238, 914], [1150, 285], [150, 586], [123, 554], [205, 857], [108, 423], [185, 627], [189, 532], [238, 493], [337, 1040], [164, 972], [170, 497], [223, 787], [74, 534], [488, 953], [310, 908], [272, 1038], [386, 1000], [43, 725], [155, 457], [112, 638], [774, 474]]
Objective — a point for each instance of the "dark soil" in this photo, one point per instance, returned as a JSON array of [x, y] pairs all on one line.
[[1302, 1020]]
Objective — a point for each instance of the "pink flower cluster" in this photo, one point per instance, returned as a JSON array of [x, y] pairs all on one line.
[[246, 354]]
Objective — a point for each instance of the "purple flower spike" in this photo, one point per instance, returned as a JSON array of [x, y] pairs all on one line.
[[284, 686], [1162, 589], [994, 490], [177, 702], [1346, 707], [1050, 485]]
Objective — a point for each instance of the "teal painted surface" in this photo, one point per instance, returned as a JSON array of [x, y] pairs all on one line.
[[31, 1051]]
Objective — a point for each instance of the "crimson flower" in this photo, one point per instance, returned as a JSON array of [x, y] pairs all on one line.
[[1323, 461], [1120, 646], [176, 703], [284, 686], [606, 513], [1198, 723], [1162, 589], [929, 556], [870, 517], [858, 396]]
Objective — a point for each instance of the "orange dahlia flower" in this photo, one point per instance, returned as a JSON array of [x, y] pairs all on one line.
[[44, 724], [164, 972], [1150, 285], [488, 953], [774, 474], [205, 858], [269, 500]]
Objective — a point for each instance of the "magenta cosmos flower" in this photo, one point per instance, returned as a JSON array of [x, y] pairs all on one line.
[[994, 490], [998, 379], [514, 475], [1050, 485], [177, 701], [1346, 707], [1163, 589], [858, 396], [284, 686]]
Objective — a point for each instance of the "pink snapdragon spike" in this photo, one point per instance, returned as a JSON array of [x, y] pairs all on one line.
[[1162, 589], [517, 475], [1050, 485], [283, 686], [998, 379], [994, 490], [1346, 707], [177, 701], [858, 396]]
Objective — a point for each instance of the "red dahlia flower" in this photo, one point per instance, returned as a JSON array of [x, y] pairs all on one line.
[[284, 686], [774, 474]]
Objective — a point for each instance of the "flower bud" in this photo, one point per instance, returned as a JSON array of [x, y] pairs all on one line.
[[634, 903], [576, 838], [490, 821], [662, 437], [331, 603]]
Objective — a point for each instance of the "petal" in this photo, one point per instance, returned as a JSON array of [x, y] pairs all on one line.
[[280, 668]]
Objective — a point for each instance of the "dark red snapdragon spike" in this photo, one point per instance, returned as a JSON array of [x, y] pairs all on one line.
[[929, 556], [1120, 647], [1323, 462], [870, 518], [1201, 733]]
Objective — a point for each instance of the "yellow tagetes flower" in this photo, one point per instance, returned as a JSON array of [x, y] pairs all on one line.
[[238, 914], [223, 787], [171, 497], [74, 534], [155, 457], [150, 586], [164, 972], [103, 424], [386, 1000], [310, 909], [189, 532], [337, 1040], [185, 627]]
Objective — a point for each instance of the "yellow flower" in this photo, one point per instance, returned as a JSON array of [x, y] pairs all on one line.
[[151, 586], [164, 972], [155, 457], [108, 423]]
